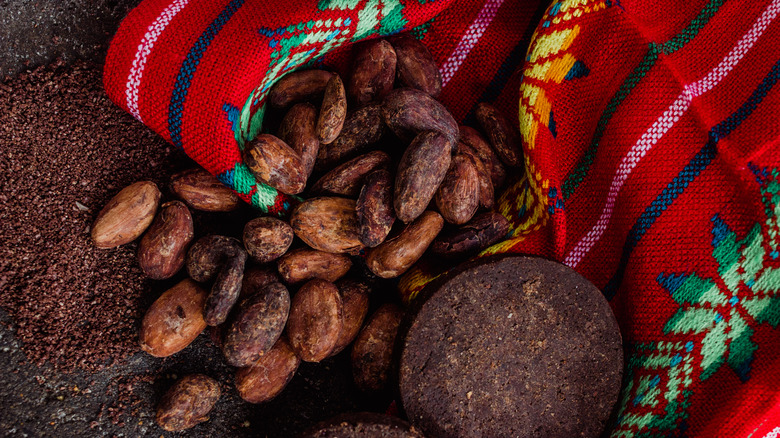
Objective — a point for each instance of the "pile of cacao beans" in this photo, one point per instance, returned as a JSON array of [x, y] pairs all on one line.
[[391, 172]]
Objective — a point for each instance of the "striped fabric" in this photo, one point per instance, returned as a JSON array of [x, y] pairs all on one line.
[[651, 132]]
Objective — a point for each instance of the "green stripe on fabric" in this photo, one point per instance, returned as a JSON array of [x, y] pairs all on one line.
[[575, 178]]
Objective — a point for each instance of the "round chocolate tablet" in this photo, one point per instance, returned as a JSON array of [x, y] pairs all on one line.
[[510, 346], [363, 425]]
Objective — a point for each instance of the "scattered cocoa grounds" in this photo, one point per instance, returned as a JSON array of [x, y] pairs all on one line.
[[66, 150]]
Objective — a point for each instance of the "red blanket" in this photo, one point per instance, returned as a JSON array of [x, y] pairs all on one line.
[[651, 133]]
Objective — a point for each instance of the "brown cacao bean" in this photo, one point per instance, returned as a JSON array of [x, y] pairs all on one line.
[[266, 378], [299, 131], [408, 112], [396, 255], [373, 72], [333, 111], [127, 215], [473, 138], [348, 178], [275, 163], [174, 320], [416, 67], [226, 255], [298, 86], [304, 264], [354, 305], [187, 403], [202, 191], [361, 128], [163, 248], [374, 208], [267, 238], [327, 224], [315, 320], [257, 325], [501, 133], [486, 191], [373, 350], [422, 169], [256, 278], [458, 195], [484, 230]]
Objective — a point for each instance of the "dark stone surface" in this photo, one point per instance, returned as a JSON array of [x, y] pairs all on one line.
[[35, 32], [510, 346]]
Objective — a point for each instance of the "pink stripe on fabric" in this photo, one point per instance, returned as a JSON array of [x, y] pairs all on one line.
[[469, 40], [664, 123], [144, 49]]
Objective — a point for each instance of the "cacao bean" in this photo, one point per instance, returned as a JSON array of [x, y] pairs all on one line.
[[126, 216], [256, 278], [298, 86], [163, 248], [187, 402], [267, 238], [257, 325], [486, 191], [226, 255], [416, 67], [458, 195], [423, 167], [348, 178], [483, 231], [374, 208], [333, 111], [304, 264], [408, 112], [373, 72], [396, 255], [299, 131], [174, 320], [354, 306], [327, 224], [202, 191], [373, 350], [315, 320], [275, 163], [267, 377], [473, 138], [501, 133]]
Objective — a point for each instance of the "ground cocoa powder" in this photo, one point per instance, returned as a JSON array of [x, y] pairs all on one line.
[[66, 149]]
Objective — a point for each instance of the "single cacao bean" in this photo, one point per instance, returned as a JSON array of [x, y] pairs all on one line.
[[396, 255], [304, 264], [473, 138], [257, 325], [174, 320], [299, 131], [267, 238], [416, 67], [484, 230], [423, 167], [187, 402], [202, 191], [162, 250], [266, 378], [372, 353], [361, 129], [374, 208], [315, 320], [333, 111], [275, 163], [458, 195], [408, 112], [327, 224], [299, 86], [354, 305], [486, 192], [373, 72], [126, 216], [501, 133]]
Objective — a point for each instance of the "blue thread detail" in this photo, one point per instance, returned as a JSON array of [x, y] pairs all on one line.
[[559, 204], [553, 192], [671, 282], [521, 211], [689, 346], [226, 177], [718, 317], [719, 230], [188, 68], [232, 113], [750, 283], [551, 210], [676, 360], [551, 125], [652, 384], [546, 24], [775, 254], [347, 22], [555, 9], [332, 35], [734, 300], [688, 174], [578, 70], [273, 43]]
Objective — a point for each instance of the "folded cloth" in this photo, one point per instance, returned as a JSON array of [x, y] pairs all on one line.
[[651, 133]]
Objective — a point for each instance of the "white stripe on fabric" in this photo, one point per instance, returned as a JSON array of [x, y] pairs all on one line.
[[664, 123], [469, 40], [774, 433], [144, 49]]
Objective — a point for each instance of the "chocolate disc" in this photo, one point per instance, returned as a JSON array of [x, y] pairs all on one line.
[[363, 425], [510, 346]]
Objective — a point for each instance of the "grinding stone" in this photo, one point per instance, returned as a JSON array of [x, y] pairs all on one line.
[[363, 425], [510, 346]]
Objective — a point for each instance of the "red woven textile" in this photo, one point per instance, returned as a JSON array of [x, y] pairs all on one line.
[[651, 133]]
